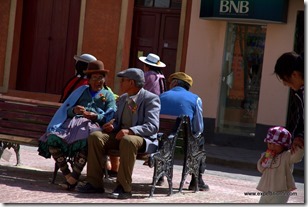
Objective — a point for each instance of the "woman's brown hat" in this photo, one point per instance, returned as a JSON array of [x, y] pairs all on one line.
[[96, 66]]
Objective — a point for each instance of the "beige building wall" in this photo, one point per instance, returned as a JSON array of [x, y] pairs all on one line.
[[274, 96], [205, 57]]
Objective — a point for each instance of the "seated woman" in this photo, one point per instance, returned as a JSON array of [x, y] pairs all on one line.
[[83, 112], [80, 77]]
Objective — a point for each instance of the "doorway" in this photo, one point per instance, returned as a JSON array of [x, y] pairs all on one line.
[[240, 86], [49, 37], [156, 30]]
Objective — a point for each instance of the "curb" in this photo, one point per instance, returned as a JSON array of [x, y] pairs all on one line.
[[244, 165]]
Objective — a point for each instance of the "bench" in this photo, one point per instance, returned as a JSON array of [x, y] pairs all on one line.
[[170, 129], [193, 155], [23, 121], [177, 135]]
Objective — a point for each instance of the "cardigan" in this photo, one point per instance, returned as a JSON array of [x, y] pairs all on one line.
[[278, 177]]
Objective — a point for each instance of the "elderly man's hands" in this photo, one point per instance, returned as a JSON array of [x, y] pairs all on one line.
[[123, 132], [108, 127]]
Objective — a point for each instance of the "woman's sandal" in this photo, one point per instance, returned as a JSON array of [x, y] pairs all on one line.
[[67, 186]]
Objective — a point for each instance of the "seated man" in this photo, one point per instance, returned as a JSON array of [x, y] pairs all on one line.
[[178, 101], [133, 130]]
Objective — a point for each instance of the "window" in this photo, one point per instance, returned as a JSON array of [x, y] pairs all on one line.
[[170, 4], [240, 87]]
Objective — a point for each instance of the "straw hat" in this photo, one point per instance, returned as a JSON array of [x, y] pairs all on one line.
[[153, 60]]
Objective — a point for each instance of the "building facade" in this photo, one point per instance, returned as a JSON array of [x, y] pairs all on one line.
[[229, 47]]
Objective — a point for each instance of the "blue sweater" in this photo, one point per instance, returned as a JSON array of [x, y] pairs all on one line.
[[178, 101]]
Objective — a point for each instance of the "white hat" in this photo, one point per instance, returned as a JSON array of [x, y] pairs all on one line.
[[153, 60], [85, 58]]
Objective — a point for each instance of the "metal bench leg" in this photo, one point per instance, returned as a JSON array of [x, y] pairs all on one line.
[[55, 172], [155, 178], [184, 175], [16, 148], [186, 168], [169, 176]]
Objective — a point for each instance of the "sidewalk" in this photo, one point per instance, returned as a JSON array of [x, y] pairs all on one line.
[[241, 158], [28, 183]]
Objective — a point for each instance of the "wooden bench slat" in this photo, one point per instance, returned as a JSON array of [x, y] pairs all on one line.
[[21, 132], [19, 139], [21, 117], [27, 109], [29, 101], [8, 124]]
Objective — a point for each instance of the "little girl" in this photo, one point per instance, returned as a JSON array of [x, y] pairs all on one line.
[[276, 166]]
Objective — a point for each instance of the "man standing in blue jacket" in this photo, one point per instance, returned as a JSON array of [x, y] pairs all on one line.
[[180, 101]]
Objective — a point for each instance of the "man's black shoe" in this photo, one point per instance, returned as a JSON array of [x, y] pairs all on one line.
[[119, 193], [202, 186], [88, 188]]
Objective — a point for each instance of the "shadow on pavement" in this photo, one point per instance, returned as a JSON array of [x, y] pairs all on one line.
[[34, 180]]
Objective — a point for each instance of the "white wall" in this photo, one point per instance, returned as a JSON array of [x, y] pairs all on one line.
[[204, 63], [274, 96], [204, 58]]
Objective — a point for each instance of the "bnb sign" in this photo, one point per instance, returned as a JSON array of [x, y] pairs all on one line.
[[230, 6]]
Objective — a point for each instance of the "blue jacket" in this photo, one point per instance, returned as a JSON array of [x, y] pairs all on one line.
[[178, 101]]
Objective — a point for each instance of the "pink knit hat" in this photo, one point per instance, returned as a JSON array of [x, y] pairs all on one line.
[[279, 135]]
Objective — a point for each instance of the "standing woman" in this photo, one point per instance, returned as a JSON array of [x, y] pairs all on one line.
[[83, 112], [155, 80], [290, 70]]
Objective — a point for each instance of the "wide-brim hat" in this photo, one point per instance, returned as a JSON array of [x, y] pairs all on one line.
[[85, 58], [153, 60], [181, 76], [96, 66]]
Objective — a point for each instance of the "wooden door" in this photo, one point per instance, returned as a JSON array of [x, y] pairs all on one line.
[[155, 31], [168, 41], [48, 43]]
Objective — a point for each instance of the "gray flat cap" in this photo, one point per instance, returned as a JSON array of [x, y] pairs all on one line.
[[135, 74]]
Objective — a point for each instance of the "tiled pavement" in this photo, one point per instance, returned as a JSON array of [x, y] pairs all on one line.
[[28, 183]]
